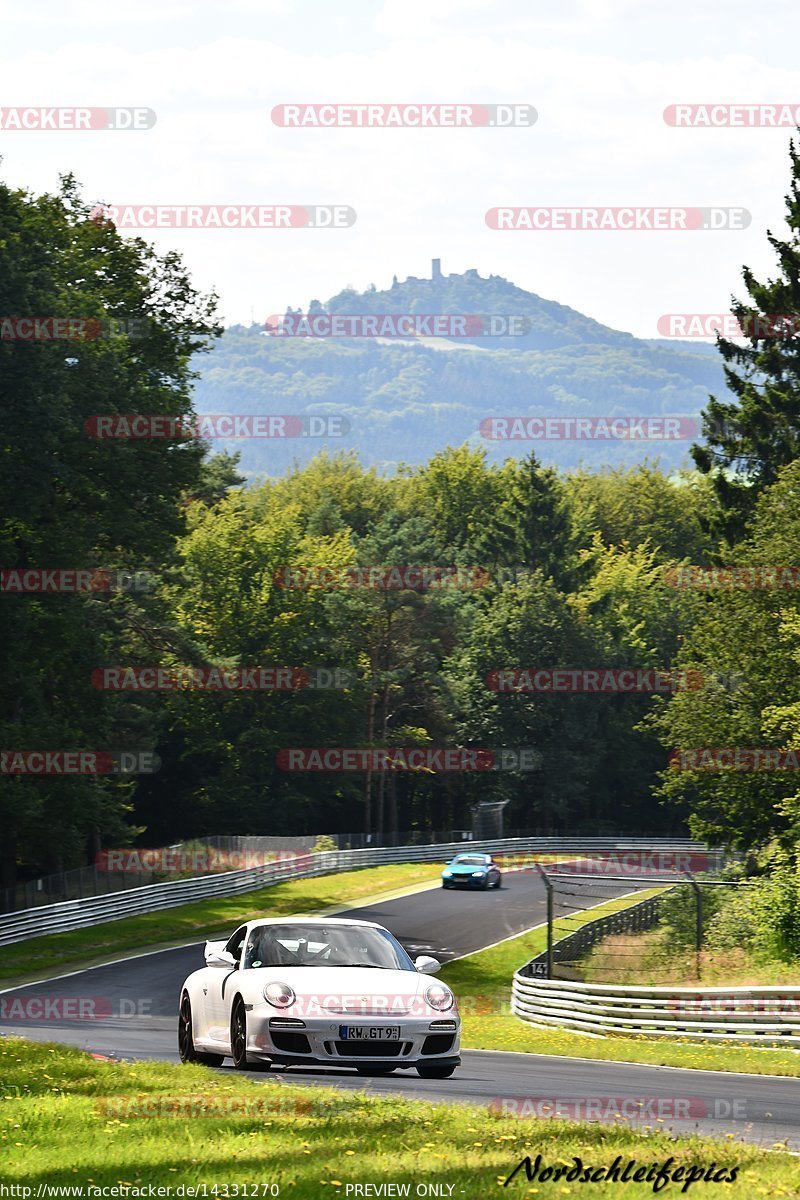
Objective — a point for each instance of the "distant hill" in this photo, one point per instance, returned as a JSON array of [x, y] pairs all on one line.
[[406, 399]]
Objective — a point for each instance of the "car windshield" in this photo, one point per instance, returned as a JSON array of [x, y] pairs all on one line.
[[470, 860], [298, 945]]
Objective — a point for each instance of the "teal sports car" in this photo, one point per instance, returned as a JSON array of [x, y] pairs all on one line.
[[472, 871]]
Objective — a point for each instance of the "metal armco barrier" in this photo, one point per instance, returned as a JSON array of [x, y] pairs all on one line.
[[763, 1015], [78, 914]]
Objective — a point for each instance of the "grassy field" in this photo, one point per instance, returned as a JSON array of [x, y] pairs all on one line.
[[68, 1120], [482, 983], [59, 952], [640, 959]]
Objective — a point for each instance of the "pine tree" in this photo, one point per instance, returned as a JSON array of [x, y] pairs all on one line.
[[749, 438]]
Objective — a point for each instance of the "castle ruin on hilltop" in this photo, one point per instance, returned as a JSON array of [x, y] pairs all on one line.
[[436, 275]]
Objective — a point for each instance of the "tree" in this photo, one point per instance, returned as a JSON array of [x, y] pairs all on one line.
[[530, 526], [405, 635], [68, 500], [527, 624], [218, 475], [748, 439], [643, 504], [456, 494], [230, 600], [360, 496], [746, 641]]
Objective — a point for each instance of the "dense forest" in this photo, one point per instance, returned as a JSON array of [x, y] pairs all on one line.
[[538, 569]]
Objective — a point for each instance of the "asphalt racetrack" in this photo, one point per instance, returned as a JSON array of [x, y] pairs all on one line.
[[141, 996]]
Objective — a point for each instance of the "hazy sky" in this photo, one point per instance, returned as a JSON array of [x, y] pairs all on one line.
[[599, 73]]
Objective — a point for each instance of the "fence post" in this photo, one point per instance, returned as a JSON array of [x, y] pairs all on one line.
[[548, 885], [698, 923]]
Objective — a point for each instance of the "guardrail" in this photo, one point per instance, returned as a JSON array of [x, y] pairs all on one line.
[[768, 1014], [78, 914], [735, 1014], [95, 879]]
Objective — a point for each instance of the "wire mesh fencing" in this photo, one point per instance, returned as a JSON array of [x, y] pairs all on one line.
[[646, 931]]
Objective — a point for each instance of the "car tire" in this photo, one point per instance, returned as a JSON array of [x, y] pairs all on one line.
[[485, 883], [499, 882], [375, 1070], [186, 1048], [239, 1035], [434, 1071]]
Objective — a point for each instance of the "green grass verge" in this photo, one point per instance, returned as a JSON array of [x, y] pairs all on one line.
[[482, 983], [652, 958], [58, 952], [68, 1120]]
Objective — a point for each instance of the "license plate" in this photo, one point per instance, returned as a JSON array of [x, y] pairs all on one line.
[[369, 1033]]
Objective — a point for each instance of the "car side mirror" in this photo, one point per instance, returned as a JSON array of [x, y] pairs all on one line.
[[427, 965], [220, 958]]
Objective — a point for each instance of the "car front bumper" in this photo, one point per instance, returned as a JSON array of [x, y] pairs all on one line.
[[318, 1040]]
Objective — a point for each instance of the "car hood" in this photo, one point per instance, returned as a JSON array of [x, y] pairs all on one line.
[[461, 869], [348, 990]]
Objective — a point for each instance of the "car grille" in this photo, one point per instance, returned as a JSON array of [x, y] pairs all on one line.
[[290, 1043], [438, 1043], [368, 1049]]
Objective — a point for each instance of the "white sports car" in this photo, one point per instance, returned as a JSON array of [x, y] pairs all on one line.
[[307, 990]]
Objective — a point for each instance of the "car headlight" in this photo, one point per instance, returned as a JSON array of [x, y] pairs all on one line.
[[477, 874], [446, 874], [279, 995], [439, 997]]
